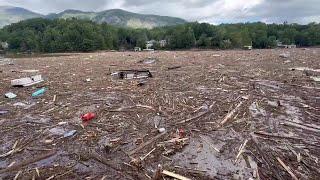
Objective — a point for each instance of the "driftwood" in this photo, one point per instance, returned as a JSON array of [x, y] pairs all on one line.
[[193, 118], [210, 145], [241, 149], [174, 175], [287, 168], [27, 162], [266, 159], [230, 114], [146, 143], [292, 124]]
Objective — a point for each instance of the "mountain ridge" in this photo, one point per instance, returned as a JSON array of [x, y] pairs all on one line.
[[117, 17], [10, 14]]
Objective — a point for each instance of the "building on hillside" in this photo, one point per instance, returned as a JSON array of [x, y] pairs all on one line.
[[286, 46], [163, 43], [150, 44], [137, 49], [4, 45], [247, 47]]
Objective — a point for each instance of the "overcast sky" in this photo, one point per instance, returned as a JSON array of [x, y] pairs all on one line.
[[212, 11]]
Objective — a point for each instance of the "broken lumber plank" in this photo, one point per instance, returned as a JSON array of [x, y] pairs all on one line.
[[292, 124], [193, 118], [287, 168], [230, 114], [146, 143], [210, 145], [27, 162], [266, 158], [241, 149], [174, 175]]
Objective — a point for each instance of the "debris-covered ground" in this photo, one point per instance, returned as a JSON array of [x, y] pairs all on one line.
[[201, 115]]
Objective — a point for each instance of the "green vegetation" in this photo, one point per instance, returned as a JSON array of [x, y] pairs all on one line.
[[70, 35]]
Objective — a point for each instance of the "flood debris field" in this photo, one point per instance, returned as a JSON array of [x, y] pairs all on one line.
[[202, 115]]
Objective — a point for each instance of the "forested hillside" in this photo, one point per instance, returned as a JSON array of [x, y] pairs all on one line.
[[60, 35]]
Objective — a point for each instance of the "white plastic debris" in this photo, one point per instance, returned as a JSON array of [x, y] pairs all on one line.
[[28, 81], [317, 79], [19, 104], [29, 71], [10, 95], [161, 130]]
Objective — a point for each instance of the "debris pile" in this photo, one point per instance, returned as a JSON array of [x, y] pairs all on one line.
[[247, 115]]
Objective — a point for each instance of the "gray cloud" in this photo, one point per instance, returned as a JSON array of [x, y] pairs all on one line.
[[213, 11], [300, 11]]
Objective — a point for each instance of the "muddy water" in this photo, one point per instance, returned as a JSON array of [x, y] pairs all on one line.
[[202, 155]]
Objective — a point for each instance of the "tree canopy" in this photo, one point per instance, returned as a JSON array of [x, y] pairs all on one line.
[[73, 35]]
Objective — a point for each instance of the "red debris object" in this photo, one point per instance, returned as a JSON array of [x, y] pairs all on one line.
[[182, 133], [88, 117]]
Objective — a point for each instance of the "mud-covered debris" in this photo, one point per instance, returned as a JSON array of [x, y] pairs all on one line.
[[284, 55], [132, 74], [70, 133], [2, 111], [57, 131], [256, 110], [174, 67], [149, 60], [141, 83], [10, 95], [28, 81]]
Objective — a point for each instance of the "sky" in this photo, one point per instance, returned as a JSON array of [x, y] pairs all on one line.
[[211, 11]]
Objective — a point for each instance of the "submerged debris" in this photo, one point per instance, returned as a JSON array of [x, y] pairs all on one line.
[[149, 60], [285, 55]]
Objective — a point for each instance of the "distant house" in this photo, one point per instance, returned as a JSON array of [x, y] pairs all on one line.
[[150, 44], [247, 47], [286, 46], [137, 49], [4, 45], [163, 43]]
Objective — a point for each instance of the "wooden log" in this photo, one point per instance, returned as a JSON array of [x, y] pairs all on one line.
[[146, 143], [27, 162], [174, 175], [287, 168], [230, 114]]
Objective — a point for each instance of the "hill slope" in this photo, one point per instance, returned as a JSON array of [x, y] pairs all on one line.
[[10, 15], [120, 17]]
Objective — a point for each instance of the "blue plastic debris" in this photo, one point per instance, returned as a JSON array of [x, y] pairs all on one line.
[[39, 92]]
